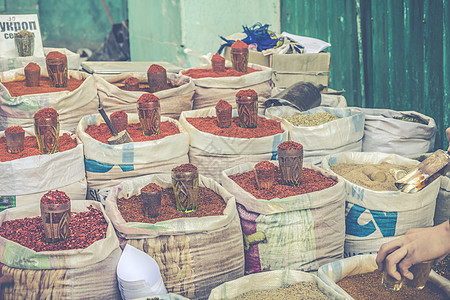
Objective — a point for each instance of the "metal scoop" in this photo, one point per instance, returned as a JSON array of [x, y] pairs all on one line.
[[122, 137], [425, 173]]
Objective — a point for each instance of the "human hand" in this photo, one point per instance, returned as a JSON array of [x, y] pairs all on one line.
[[448, 138], [416, 246]]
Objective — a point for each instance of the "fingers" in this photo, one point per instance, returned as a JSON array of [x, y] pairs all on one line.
[[392, 260], [387, 249], [404, 266]]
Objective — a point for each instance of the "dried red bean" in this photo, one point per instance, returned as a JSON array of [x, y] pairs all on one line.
[[32, 67], [290, 145], [18, 88], [265, 127], [228, 72], [222, 104], [185, 168], [151, 188], [55, 197], [209, 203], [14, 129], [46, 113], [147, 97], [155, 69], [85, 228], [118, 114], [312, 181], [246, 93], [265, 166]]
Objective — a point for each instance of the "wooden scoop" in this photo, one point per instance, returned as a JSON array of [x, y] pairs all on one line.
[[122, 137], [425, 173]]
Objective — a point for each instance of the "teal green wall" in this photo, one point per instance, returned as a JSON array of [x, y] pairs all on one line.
[[384, 53]]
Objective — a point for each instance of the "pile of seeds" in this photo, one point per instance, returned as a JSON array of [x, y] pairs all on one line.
[[301, 290], [369, 286], [209, 203], [85, 228], [310, 120], [443, 268], [412, 118]]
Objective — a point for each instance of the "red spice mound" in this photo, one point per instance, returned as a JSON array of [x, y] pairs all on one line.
[[14, 129], [222, 104], [239, 44], [147, 97], [19, 88], [85, 228], [246, 93], [155, 69], [185, 168], [118, 114], [102, 133], [46, 113], [55, 197], [55, 55], [151, 188], [312, 181], [229, 72], [131, 80], [265, 166], [66, 142], [32, 67], [209, 203], [217, 57], [290, 145], [265, 127]]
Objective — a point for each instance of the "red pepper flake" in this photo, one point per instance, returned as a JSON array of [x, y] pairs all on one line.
[[19, 88], [239, 44], [266, 127], [185, 168], [312, 181], [209, 203], [229, 72], [118, 114], [222, 104], [290, 145], [265, 166], [46, 113], [131, 80], [102, 133], [85, 228], [66, 142], [147, 97], [246, 93], [14, 129], [217, 57], [151, 188], [155, 69], [55, 197], [32, 67]]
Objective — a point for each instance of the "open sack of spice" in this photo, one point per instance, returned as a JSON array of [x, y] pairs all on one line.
[[82, 266], [108, 165], [213, 149], [28, 174], [185, 245], [21, 102], [322, 130], [120, 92], [357, 277], [398, 132], [279, 284], [376, 211], [298, 227]]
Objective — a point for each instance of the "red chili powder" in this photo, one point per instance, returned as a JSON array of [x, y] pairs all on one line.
[[185, 168], [290, 145], [118, 114], [151, 188], [131, 80], [239, 44], [46, 113], [19, 87], [102, 133], [217, 57], [85, 228], [155, 69], [265, 166], [312, 181], [32, 67], [209, 203], [265, 127], [222, 104], [55, 55], [55, 197], [14, 129], [246, 93], [229, 72], [147, 97]]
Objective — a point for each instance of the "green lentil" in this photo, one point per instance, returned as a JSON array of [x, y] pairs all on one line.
[[300, 290], [411, 118], [310, 120]]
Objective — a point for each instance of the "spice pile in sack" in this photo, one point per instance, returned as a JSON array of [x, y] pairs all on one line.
[[19, 88]]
